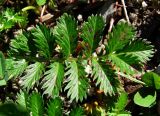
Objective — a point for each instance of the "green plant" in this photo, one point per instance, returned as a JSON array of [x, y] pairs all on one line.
[[33, 104], [3, 74], [119, 106], [9, 18], [146, 96], [58, 59]]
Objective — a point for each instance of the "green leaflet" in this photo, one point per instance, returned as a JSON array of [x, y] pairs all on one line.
[[15, 68], [40, 40], [140, 49], [119, 106], [122, 64], [41, 2], [66, 34], [122, 101], [22, 99], [11, 109], [91, 33], [55, 107], [151, 79], [78, 111], [53, 79], [128, 58], [77, 83], [43, 38], [2, 66], [3, 71], [36, 104], [19, 45], [32, 74], [121, 36], [102, 75]]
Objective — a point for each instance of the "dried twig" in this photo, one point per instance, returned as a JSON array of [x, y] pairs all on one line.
[[111, 24], [43, 10], [112, 18], [46, 17], [125, 11]]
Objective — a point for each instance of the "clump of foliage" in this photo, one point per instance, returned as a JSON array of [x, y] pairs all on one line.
[[9, 18], [70, 59]]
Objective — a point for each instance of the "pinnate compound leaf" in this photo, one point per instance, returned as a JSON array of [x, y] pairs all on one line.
[[36, 104], [15, 68], [32, 74], [78, 111], [53, 79], [120, 37], [102, 75], [77, 83], [55, 107], [66, 34], [22, 99], [91, 32], [42, 38]]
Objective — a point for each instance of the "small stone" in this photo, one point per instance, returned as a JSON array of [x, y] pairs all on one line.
[[144, 4], [94, 54], [80, 17], [30, 28], [133, 16]]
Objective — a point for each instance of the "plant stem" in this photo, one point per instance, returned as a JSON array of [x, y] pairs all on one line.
[[28, 8]]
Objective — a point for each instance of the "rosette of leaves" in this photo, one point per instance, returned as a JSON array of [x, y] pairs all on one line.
[[56, 57]]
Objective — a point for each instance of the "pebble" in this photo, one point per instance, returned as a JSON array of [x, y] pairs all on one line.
[[80, 18], [132, 16], [144, 4]]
